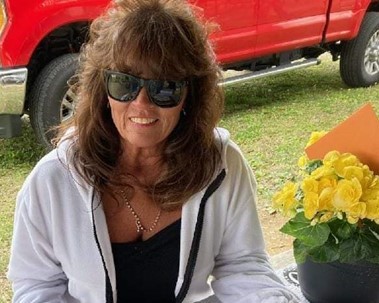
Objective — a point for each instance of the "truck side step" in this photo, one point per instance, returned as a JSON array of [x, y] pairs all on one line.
[[269, 71]]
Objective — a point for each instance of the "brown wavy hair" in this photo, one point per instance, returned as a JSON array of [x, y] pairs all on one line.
[[170, 39]]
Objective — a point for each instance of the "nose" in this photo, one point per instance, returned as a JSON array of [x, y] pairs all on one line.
[[142, 99]]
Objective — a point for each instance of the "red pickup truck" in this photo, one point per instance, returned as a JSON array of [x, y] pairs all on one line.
[[39, 41]]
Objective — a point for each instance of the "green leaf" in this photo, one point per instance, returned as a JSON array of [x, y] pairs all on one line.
[[328, 252], [313, 165], [371, 242], [362, 246], [374, 256], [351, 250], [300, 251], [342, 229], [301, 228], [372, 225], [374, 259]]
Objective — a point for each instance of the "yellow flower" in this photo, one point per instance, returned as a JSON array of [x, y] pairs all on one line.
[[309, 185], [370, 194], [331, 157], [351, 220], [350, 172], [325, 182], [302, 162], [372, 209], [371, 189], [322, 171], [341, 187], [284, 200], [356, 211], [310, 205], [347, 193], [326, 217], [326, 199], [344, 161], [368, 179], [315, 136], [374, 184]]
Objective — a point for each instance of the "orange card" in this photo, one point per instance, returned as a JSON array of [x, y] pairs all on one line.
[[359, 135]]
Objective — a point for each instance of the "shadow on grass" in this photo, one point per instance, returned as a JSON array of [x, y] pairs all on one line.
[[285, 88], [22, 151]]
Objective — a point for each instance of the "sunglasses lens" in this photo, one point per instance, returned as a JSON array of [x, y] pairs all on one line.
[[166, 93], [122, 87]]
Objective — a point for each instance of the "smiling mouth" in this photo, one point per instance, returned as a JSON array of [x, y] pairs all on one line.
[[143, 121]]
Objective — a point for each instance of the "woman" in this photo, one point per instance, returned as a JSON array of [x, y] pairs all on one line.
[[143, 200]]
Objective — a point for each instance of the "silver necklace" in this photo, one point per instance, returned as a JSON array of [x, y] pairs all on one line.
[[139, 225]]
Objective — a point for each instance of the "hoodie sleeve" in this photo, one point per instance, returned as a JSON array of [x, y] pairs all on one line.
[[242, 271], [34, 271]]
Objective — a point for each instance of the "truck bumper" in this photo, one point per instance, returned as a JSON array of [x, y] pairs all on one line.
[[12, 98]]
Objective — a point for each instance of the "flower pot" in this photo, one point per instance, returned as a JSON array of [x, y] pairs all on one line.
[[339, 282]]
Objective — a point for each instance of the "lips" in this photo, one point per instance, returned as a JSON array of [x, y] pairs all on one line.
[[143, 121]]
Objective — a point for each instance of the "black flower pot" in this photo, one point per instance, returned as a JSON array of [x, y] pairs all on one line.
[[339, 282]]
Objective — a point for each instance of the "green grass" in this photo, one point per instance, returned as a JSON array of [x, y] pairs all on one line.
[[17, 157], [270, 118]]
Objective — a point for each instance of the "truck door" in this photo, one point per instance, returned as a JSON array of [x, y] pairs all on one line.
[[345, 19], [289, 24], [237, 20]]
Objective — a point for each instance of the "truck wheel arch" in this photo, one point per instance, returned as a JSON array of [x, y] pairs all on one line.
[[50, 48], [33, 25], [359, 63], [51, 98]]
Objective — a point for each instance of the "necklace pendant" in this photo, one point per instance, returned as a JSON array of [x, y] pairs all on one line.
[[139, 226]]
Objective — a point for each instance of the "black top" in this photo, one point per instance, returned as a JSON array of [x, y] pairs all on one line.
[[146, 271]]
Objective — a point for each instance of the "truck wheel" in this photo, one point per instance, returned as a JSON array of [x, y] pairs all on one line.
[[359, 64], [51, 99]]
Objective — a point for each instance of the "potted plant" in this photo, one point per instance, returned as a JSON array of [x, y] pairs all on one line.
[[333, 210]]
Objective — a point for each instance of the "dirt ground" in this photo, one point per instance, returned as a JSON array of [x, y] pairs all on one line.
[[276, 241]]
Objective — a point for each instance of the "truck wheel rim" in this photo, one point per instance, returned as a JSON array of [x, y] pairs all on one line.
[[371, 59], [68, 105], [69, 100]]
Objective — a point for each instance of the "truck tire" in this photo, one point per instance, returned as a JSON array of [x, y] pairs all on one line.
[[359, 64], [51, 99]]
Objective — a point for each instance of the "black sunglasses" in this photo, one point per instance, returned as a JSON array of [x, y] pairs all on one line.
[[125, 88]]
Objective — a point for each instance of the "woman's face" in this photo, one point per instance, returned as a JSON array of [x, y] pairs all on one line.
[[142, 124]]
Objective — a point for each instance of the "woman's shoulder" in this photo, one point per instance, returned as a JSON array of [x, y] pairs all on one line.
[[53, 180], [231, 154], [49, 164], [55, 160], [53, 168]]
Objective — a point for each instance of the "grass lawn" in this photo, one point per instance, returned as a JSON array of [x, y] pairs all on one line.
[[17, 157], [270, 118]]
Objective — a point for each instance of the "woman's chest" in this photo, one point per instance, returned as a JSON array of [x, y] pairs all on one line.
[[135, 219]]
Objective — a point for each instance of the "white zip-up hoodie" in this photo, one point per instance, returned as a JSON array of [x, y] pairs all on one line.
[[61, 250]]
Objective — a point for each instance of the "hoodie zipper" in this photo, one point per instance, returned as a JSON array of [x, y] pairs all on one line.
[[190, 268], [108, 286]]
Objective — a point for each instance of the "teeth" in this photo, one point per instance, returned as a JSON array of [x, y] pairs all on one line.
[[142, 120]]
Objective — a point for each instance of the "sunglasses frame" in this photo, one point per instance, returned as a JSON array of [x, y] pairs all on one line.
[[142, 82]]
